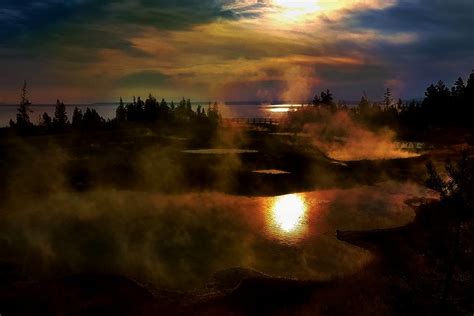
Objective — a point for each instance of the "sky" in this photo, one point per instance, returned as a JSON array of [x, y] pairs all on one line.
[[239, 50]]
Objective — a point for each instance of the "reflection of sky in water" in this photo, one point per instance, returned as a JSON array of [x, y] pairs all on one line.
[[179, 241]]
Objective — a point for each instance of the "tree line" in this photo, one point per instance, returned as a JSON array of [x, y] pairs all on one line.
[[441, 107], [150, 111]]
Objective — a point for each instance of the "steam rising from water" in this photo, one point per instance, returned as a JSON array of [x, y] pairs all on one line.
[[343, 139], [179, 241]]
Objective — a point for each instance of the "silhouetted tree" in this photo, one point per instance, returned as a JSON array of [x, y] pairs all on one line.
[[470, 86], [131, 111], [151, 108], [213, 115], [164, 110], [316, 100], [181, 112], [327, 98], [60, 116], [459, 89], [135, 110], [469, 100], [200, 112], [458, 186], [92, 119], [364, 105], [458, 95], [437, 100], [77, 117], [457, 194], [140, 106], [387, 97], [23, 117], [399, 104], [46, 120], [189, 108], [121, 112]]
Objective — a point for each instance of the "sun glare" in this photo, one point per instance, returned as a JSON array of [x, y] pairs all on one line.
[[309, 5], [280, 110], [288, 212], [296, 9]]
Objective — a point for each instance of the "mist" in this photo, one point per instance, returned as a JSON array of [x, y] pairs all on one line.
[[341, 138], [179, 240]]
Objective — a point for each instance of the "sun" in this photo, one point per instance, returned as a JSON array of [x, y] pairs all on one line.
[[304, 5], [296, 9]]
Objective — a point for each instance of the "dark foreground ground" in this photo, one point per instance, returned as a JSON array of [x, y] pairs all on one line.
[[407, 275]]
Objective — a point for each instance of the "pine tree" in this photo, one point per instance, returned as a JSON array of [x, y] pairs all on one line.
[[316, 100], [364, 104], [22, 117], [45, 120], [327, 98], [77, 117], [387, 97], [92, 119], [60, 115], [140, 108], [459, 88], [399, 104], [121, 112], [470, 90]]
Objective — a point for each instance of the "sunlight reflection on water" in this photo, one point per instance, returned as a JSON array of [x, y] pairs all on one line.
[[179, 241], [287, 217]]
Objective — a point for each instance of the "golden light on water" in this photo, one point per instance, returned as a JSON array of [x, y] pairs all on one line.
[[282, 108], [288, 212]]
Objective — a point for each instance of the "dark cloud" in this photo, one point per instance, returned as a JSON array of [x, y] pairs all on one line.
[[429, 17], [50, 27], [19, 18], [444, 41], [369, 79]]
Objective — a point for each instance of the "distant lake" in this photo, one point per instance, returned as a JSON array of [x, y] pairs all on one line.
[[107, 111]]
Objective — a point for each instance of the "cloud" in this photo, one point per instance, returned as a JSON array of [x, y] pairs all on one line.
[[144, 79], [444, 45], [213, 47], [18, 17]]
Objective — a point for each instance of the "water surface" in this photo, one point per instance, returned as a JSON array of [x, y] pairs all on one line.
[[180, 241]]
